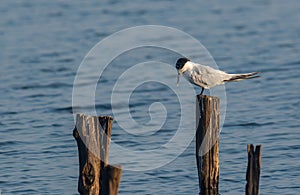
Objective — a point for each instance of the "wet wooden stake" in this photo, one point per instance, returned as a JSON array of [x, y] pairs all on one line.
[[253, 170], [96, 177], [207, 144]]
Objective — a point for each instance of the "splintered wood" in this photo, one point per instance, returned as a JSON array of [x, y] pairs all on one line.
[[253, 170], [96, 177]]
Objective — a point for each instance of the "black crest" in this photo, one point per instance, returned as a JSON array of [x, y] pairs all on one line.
[[180, 63]]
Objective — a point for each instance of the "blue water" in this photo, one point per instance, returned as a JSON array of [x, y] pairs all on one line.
[[43, 42]]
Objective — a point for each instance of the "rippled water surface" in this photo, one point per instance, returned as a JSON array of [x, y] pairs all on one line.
[[43, 43]]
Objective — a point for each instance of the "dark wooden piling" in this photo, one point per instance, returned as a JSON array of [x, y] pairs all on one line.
[[253, 170], [96, 177], [207, 144]]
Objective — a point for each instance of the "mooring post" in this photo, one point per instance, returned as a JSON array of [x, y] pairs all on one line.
[[207, 144], [253, 169], [96, 177]]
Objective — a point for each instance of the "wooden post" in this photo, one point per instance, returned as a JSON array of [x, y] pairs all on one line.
[[92, 134], [253, 170], [207, 144]]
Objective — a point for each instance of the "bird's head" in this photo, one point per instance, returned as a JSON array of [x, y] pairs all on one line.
[[179, 65], [181, 62]]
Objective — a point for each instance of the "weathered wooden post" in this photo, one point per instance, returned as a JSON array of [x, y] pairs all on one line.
[[96, 177], [253, 170], [207, 144]]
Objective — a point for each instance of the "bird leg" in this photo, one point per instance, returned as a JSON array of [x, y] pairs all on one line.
[[202, 91]]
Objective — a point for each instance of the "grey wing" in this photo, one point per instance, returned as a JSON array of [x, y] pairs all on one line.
[[197, 79], [207, 77]]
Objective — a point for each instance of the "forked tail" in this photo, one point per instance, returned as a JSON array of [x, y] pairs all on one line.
[[239, 77]]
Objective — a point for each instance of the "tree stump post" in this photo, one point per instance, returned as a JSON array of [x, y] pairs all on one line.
[[253, 170], [96, 177], [207, 144]]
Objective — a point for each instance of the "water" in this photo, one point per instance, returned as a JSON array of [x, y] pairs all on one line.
[[43, 43]]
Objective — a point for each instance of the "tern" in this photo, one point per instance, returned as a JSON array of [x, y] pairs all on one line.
[[205, 76]]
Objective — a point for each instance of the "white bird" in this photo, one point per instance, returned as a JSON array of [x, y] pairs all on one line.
[[205, 76]]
